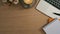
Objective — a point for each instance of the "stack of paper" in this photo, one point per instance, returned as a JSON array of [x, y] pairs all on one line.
[[53, 27]]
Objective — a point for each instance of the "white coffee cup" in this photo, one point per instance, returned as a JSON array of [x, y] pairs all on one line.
[[16, 1]]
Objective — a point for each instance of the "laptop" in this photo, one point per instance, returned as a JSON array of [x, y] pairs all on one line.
[[49, 7], [53, 27]]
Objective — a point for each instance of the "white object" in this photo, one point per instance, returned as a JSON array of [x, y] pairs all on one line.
[[53, 27], [48, 9], [16, 1]]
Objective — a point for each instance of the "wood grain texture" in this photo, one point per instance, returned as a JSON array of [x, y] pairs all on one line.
[[17, 20]]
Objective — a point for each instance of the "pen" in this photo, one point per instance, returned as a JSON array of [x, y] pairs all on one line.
[[56, 14]]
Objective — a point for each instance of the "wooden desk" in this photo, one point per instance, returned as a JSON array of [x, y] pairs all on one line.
[[16, 20]]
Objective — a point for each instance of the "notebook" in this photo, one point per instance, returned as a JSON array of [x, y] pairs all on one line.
[[53, 27], [50, 8]]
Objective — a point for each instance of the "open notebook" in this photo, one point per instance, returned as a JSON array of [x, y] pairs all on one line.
[[53, 27]]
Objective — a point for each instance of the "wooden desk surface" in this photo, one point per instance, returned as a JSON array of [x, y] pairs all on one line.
[[16, 20]]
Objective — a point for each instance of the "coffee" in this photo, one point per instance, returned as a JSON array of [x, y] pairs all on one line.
[[28, 1]]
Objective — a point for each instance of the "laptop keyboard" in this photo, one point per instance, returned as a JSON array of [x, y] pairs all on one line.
[[55, 3]]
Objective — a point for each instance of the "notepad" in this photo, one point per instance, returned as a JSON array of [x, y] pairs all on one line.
[[53, 27]]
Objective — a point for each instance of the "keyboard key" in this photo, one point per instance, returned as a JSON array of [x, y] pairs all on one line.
[[55, 3]]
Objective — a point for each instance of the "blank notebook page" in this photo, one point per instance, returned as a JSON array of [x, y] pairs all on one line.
[[53, 27]]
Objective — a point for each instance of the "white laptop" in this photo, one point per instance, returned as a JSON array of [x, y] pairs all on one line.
[[53, 27], [49, 7]]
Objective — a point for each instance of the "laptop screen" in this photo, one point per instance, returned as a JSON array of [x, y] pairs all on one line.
[[55, 3]]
